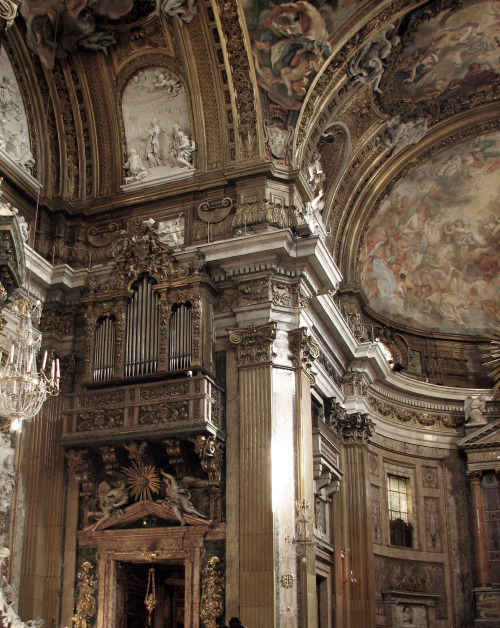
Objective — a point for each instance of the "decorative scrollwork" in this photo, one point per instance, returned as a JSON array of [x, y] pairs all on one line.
[[212, 601], [85, 602]]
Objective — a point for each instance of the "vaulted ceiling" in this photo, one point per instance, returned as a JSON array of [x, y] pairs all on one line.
[[384, 114]]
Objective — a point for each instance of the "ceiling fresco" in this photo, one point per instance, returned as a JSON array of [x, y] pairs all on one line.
[[290, 44], [431, 257], [455, 52]]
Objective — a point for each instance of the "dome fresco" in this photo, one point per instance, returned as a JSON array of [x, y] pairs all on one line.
[[430, 259]]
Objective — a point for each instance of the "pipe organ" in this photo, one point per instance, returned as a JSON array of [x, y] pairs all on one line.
[[142, 325], [150, 315], [180, 337], [104, 349]]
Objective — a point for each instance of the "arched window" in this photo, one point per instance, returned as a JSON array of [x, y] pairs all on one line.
[[180, 337], [104, 349], [143, 318]]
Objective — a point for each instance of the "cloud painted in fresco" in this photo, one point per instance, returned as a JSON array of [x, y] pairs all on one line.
[[431, 258]]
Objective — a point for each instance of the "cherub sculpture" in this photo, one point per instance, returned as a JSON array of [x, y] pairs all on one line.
[[111, 499], [178, 497]]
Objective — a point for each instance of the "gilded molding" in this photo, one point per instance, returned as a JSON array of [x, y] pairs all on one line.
[[241, 72], [79, 465], [254, 345], [163, 413], [98, 400], [8, 12], [100, 420], [52, 320], [164, 390], [211, 453], [212, 600], [85, 601], [177, 459]]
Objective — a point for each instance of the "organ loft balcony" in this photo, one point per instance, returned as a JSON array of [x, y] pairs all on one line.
[[184, 406]]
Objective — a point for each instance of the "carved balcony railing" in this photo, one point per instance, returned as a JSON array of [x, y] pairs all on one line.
[[173, 408]]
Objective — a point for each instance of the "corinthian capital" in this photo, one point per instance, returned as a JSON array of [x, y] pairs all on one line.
[[303, 348], [254, 344], [8, 12], [353, 429]]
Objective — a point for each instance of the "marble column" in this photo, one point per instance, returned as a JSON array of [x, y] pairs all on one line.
[[358, 572], [304, 350], [479, 530]]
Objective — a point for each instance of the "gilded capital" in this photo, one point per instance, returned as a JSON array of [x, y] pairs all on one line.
[[254, 344], [303, 348]]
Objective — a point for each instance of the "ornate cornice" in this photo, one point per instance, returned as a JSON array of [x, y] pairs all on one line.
[[254, 344], [414, 416]]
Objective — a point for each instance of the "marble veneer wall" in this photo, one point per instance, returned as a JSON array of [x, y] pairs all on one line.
[[440, 561]]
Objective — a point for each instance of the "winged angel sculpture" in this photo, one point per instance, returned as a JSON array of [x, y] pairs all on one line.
[[474, 410], [73, 24]]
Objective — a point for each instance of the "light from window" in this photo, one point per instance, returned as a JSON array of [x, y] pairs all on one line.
[[397, 499]]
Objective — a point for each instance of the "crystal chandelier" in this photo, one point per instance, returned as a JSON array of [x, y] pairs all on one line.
[[23, 389]]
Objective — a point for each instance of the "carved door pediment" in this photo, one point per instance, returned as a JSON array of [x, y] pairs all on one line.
[[141, 510]]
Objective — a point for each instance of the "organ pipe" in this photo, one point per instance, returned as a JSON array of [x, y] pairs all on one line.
[[180, 337], [142, 330], [104, 349]]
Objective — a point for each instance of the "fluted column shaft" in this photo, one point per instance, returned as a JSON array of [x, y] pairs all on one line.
[[358, 571], [479, 530], [256, 532]]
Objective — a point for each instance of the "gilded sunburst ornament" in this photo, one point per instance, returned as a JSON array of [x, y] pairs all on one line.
[[143, 481]]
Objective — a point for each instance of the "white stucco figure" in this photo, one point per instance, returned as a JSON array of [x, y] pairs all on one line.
[[134, 167], [153, 148], [474, 410], [183, 10], [367, 67], [182, 147], [7, 473], [398, 135]]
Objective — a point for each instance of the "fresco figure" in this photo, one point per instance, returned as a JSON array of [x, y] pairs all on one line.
[[290, 51], [455, 52]]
